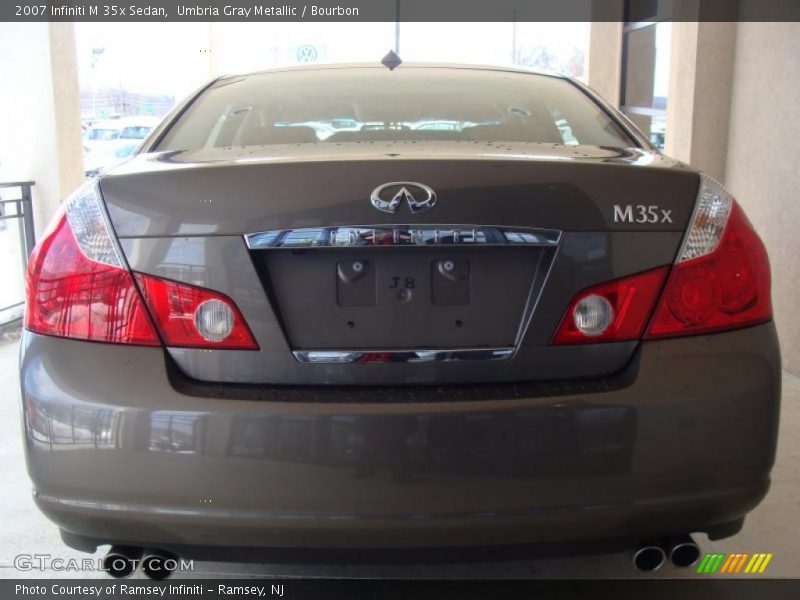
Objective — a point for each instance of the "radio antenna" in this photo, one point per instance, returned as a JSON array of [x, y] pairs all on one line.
[[391, 61]]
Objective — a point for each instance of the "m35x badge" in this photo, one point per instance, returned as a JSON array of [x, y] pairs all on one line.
[[389, 196]]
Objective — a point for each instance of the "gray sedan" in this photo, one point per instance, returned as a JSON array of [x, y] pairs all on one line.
[[267, 331]]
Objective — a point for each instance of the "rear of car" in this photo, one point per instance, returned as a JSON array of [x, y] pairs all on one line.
[[271, 330]]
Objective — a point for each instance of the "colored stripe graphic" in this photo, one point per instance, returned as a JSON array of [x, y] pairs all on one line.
[[764, 564], [703, 566], [734, 563], [728, 562], [711, 562], [743, 558], [754, 563], [717, 562]]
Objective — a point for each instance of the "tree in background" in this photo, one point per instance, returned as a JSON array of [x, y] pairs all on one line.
[[543, 58]]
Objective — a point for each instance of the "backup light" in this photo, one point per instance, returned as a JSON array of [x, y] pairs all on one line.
[[593, 314], [213, 320], [78, 287], [615, 311], [720, 281], [195, 317]]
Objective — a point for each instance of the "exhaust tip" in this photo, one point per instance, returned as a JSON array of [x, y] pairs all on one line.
[[684, 553], [120, 561], [158, 564], [649, 558]]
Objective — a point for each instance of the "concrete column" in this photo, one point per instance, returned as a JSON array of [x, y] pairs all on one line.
[[40, 134], [66, 106], [763, 160], [605, 60], [701, 80]]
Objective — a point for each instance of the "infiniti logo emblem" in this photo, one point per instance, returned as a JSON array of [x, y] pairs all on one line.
[[389, 196]]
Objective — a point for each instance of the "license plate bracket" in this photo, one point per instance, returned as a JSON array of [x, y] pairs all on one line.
[[401, 298]]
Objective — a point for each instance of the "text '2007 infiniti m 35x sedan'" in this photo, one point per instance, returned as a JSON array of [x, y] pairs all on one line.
[[431, 307]]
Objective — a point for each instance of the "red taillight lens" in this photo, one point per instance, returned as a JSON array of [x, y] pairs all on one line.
[[79, 287], [72, 296], [726, 289], [195, 317], [628, 303]]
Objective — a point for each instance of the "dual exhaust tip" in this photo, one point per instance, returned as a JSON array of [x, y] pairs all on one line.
[[122, 561], [682, 551]]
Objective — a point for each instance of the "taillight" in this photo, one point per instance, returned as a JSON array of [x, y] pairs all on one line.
[[611, 312], [721, 281], [76, 285], [195, 317], [722, 278]]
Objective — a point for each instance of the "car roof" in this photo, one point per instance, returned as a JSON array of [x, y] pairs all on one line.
[[408, 65]]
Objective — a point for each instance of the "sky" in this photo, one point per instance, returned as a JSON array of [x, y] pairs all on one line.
[[663, 45], [174, 58]]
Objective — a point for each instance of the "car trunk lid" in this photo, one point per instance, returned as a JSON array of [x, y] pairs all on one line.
[[566, 216]]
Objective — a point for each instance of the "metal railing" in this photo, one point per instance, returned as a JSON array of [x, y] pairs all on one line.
[[16, 209]]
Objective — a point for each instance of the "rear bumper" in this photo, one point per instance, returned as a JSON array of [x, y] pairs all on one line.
[[682, 441]]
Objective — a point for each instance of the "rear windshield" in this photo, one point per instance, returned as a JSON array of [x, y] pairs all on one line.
[[409, 104]]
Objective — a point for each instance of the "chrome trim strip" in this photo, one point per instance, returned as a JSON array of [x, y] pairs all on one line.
[[400, 356], [401, 235], [537, 289]]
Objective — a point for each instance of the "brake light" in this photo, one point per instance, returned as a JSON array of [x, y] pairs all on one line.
[[76, 285], [191, 316], [722, 278], [611, 312], [721, 281]]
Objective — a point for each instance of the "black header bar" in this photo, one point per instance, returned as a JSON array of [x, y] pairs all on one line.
[[394, 10]]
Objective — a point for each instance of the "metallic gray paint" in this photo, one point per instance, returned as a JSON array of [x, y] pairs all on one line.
[[241, 190], [416, 466], [232, 448]]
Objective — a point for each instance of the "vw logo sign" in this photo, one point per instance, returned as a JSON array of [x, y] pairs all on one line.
[[306, 53], [389, 196]]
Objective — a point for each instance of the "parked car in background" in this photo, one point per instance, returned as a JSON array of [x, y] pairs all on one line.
[[101, 131], [124, 128], [101, 157], [137, 128], [658, 132], [483, 310]]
